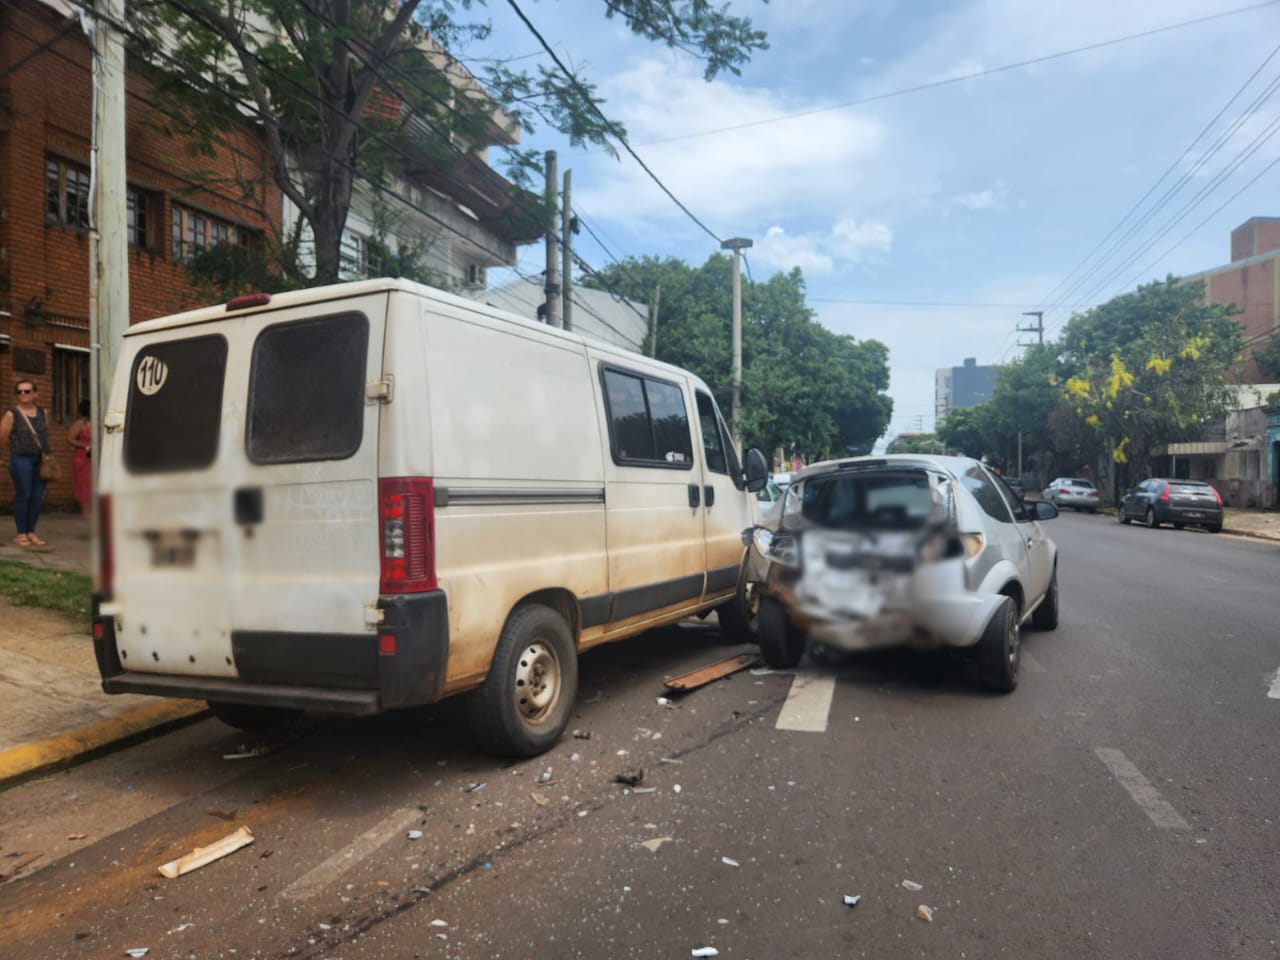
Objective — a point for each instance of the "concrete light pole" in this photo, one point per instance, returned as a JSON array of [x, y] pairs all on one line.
[[737, 245]]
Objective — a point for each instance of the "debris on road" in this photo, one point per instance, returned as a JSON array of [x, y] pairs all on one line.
[[76, 836], [246, 752], [439, 923], [653, 845], [712, 671], [644, 789], [136, 951], [664, 702], [925, 913], [677, 788], [545, 776], [540, 799], [185, 926], [852, 901], [415, 834], [582, 734], [669, 760], [222, 814], [201, 856], [630, 779], [11, 869], [729, 861], [474, 787], [705, 952], [912, 885]]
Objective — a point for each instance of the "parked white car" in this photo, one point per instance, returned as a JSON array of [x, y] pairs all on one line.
[[1072, 492], [909, 549]]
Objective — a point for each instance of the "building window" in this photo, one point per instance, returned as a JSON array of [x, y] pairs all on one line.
[[66, 194], [136, 224], [191, 232], [355, 255], [70, 382]]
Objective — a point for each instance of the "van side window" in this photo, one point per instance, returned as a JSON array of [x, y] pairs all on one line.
[[712, 440], [175, 405], [648, 422], [306, 390]]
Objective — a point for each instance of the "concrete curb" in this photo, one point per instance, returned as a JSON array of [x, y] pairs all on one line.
[[65, 749]]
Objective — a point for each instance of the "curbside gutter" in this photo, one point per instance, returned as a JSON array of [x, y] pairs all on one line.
[[65, 749]]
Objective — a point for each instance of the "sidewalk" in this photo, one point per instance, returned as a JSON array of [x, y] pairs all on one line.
[[52, 708]]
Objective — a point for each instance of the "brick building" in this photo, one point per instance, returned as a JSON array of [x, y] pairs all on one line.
[[46, 114]]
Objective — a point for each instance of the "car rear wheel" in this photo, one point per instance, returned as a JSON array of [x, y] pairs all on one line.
[[781, 644], [1152, 522], [524, 703], [250, 717], [999, 650], [1046, 615], [1215, 528], [1123, 517]]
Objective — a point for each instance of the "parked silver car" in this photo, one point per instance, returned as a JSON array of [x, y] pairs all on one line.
[[1072, 492], [904, 549]]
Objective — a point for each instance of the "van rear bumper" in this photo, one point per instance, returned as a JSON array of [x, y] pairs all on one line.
[[404, 664]]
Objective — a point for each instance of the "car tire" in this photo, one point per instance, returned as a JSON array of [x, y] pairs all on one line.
[[1046, 615], [1216, 528], [523, 705], [1151, 521], [738, 617], [250, 717], [781, 643], [1093, 509], [999, 649], [1124, 517]]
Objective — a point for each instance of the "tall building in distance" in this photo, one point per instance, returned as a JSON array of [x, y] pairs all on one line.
[[958, 387]]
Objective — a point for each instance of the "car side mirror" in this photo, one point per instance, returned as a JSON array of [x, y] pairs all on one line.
[[757, 470], [1045, 510]]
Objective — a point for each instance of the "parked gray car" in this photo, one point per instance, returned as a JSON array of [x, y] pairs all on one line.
[[1072, 492], [927, 551]]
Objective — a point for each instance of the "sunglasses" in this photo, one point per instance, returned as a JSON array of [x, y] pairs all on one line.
[[25, 390]]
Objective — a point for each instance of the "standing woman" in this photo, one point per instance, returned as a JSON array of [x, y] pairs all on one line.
[[26, 432], [80, 436]]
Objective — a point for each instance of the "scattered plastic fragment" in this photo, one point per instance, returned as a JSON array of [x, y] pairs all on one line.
[[912, 885], [76, 836], [545, 776], [925, 913], [245, 752], [575, 757], [631, 779], [655, 843], [729, 861], [137, 951], [415, 834], [439, 923], [622, 753], [201, 856], [582, 734], [442, 936], [677, 788], [723, 922], [644, 789], [669, 760], [705, 952], [540, 799], [582, 813], [664, 702], [472, 788], [852, 901], [187, 926]]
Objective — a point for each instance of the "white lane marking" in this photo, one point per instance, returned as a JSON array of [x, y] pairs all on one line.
[[807, 704], [1274, 692], [1032, 664], [1144, 794], [309, 884]]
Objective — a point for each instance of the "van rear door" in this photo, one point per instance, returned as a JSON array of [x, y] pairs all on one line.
[[244, 506]]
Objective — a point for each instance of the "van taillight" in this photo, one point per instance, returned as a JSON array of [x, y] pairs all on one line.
[[406, 509], [106, 557]]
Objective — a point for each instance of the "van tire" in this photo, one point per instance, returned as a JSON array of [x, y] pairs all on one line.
[[523, 705], [251, 718], [781, 643]]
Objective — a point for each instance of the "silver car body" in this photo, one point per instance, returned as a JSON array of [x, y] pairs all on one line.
[[1072, 492], [862, 589]]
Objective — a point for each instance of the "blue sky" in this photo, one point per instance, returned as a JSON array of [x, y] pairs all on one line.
[[982, 195]]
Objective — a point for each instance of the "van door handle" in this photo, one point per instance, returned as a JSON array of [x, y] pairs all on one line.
[[248, 505], [709, 495], [695, 494]]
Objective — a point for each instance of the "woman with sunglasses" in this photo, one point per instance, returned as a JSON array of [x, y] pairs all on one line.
[[24, 429]]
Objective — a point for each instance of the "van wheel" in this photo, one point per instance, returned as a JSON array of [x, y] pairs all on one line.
[[999, 650], [523, 705], [251, 718], [781, 644]]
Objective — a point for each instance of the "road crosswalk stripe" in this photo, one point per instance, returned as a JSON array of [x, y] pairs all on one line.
[[808, 704], [311, 883], [1144, 794]]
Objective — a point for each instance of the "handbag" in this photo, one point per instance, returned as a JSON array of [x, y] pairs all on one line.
[[50, 468]]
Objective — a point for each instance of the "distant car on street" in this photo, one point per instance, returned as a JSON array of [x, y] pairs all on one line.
[[1072, 492], [1179, 502], [1015, 484]]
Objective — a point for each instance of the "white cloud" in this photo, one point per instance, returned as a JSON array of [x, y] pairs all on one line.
[[848, 241], [991, 198]]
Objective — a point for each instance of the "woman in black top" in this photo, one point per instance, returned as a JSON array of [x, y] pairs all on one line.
[[25, 430]]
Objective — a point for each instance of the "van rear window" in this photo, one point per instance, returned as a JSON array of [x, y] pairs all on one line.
[[306, 390], [175, 405]]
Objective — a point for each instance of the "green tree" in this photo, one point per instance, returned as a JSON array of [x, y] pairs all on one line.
[[968, 431], [332, 82], [916, 443]]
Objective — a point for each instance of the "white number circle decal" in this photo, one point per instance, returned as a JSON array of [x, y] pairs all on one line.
[[152, 373]]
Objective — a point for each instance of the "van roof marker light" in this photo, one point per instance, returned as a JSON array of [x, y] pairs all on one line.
[[248, 300]]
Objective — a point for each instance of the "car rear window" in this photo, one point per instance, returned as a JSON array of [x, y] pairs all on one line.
[[175, 405], [1190, 489], [306, 390], [881, 501], [1082, 484]]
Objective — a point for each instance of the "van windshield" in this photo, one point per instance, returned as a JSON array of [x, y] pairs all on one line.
[[175, 405]]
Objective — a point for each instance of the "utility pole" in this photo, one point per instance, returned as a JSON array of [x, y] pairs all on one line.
[[653, 321], [566, 247], [108, 240], [552, 287], [737, 245], [1038, 329]]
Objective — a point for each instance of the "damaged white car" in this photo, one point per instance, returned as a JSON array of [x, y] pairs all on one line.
[[904, 550]]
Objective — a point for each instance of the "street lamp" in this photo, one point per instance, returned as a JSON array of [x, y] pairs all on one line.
[[737, 245]]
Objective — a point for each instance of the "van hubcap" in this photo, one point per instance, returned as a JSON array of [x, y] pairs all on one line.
[[537, 681]]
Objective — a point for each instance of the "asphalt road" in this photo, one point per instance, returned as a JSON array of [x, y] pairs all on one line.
[[1121, 803]]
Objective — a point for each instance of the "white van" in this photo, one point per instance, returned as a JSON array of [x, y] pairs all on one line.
[[375, 495]]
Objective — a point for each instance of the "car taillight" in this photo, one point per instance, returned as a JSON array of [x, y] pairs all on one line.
[[106, 556], [1064, 490], [1164, 494], [406, 509], [1093, 493], [1217, 495]]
